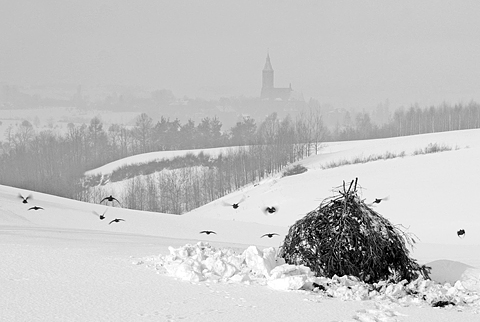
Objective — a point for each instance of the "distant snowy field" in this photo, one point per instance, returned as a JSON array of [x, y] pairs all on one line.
[[64, 264]]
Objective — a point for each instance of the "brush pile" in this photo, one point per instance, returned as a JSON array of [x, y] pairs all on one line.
[[345, 236]]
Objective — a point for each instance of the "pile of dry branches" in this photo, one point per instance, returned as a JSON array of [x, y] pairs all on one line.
[[344, 236]]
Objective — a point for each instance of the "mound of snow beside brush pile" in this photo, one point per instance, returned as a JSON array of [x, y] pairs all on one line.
[[201, 262], [204, 263], [471, 279]]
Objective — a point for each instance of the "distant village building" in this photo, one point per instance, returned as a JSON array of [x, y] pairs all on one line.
[[270, 92]]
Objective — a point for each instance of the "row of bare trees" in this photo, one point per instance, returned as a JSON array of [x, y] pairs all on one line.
[[54, 163], [279, 143], [436, 119], [414, 120], [180, 190]]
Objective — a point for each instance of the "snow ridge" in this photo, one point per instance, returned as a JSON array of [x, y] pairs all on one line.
[[204, 263]]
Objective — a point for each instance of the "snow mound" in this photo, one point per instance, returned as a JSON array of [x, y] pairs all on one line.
[[446, 271], [204, 263], [471, 279], [201, 262]]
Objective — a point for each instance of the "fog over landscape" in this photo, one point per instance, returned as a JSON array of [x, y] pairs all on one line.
[[199, 160], [350, 54]]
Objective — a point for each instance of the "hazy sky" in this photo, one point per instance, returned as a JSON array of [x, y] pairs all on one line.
[[345, 53]]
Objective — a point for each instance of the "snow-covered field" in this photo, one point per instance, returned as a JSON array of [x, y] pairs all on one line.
[[62, 263], [150, 157]]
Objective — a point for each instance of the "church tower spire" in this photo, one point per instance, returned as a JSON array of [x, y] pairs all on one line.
[[267, 74], [269, 91]]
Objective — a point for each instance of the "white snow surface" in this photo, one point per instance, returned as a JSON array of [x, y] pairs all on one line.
[[64, 264], [151, 157]]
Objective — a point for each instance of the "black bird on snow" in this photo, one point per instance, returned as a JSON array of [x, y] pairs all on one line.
[[35, 208], [270, 235], [208, 232], [234, 205], [461, 233], [101, 216], [24, 199], [116, 220], [111, 199]]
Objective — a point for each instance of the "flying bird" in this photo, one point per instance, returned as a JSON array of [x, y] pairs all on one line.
[[101, 216], [234, 205], [24, 199], [208, 232], [35, 208], [378, 200], [116, 220], [461, 233], [111, 199], [270, 235], [270, 210]]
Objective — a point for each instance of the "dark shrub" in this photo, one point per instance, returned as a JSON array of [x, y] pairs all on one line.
[[296, 169], [344, 236]]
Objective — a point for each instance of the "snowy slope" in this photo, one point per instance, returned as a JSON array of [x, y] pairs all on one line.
[[69, 265], [76, 215], [433, 195], [150, 157]]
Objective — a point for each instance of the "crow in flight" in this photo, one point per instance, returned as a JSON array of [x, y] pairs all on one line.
[[35, 208], [461, 233], [378, 200], [101, 216], [208, 232], [116, 220], [234, 205], [111, 199], [270, 210], [270, 235], [24, 199]]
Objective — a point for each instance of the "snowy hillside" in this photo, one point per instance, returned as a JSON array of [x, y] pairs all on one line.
[[84, 265], [430, 194], [433, 195], [149, 157]]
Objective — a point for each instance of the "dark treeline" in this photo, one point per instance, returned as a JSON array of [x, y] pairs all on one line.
[[55, 164]]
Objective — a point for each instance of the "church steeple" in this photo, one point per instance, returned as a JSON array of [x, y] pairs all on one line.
[[267, 74], [269, 91], [268, 65]]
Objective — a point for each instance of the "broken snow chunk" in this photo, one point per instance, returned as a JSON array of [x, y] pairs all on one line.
[[289, 277], [471, 279], [187, 272], [290, 270], [236, 260], [346, 280], [209, 262], [294, 282], [223, 269], [259, 262], [458, 285], [240, 278]]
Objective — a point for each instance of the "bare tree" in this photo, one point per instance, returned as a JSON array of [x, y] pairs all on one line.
[[25, 133], [143, 131]]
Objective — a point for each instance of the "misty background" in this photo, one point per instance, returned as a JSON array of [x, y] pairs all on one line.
[[349, 54], [86, 83]]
